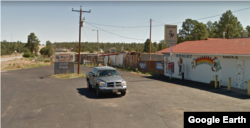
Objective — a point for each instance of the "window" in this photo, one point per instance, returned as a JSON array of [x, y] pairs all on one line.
[[103, 73], [94, 71]]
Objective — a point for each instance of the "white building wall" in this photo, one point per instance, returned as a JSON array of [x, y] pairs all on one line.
[[105, 60], [119, 59], [203, 73]]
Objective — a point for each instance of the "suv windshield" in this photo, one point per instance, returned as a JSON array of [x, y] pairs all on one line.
[[103, 73]]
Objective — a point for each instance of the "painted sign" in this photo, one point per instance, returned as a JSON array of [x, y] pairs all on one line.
[[230, 57], [213, 62], [170, 34], [159, 66], [64, 57], [171, 66], [180, 63], [142, 65], [64, 67], [239, 75], [183, 56]]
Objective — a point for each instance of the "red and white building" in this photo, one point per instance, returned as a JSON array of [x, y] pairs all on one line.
[[202, 60]]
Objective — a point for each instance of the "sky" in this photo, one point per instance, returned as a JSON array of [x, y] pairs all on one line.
[[56, 22]]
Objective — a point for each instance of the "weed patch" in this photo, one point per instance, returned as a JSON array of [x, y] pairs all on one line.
[[68, 75]]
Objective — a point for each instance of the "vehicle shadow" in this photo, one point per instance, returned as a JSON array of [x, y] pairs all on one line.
[[235, 93], [91, 94]]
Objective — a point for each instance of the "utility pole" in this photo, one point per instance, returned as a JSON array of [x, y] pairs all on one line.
[[80, 25], [150, 40], [98, 44]]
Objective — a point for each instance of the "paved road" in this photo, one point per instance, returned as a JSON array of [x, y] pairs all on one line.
[[10, 58], [31, 99]]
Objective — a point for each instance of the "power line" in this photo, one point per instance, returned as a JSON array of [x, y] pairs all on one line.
[[145, 33], [85, 34], [148, 26], [209, 16], [117, 26], [113, 33], [162, 22], [119, 35]]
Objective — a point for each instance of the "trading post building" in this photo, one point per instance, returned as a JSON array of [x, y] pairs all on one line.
[[202, 60]]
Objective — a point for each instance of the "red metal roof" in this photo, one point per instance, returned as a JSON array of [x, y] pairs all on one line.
[[239, 46]]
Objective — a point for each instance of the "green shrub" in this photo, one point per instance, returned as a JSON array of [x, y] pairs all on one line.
[[128, 69], [27, 54], [91, 51], [47, 60], [136, 70], [36, 54], [32, 55]]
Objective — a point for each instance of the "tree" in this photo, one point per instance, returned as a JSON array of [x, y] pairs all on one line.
[[43, 51], [248, 30], [187, 27], [229, 24], [201, 30], [161, 45], [91, 51], [155, 47], [32, 43], [146, 46], [213, 30], [47, 50], [48, 43]]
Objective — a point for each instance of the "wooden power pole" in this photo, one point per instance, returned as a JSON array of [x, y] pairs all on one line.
[[80, 25], [150, 40]]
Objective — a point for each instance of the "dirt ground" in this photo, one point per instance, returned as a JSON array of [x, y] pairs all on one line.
[[12, 55]]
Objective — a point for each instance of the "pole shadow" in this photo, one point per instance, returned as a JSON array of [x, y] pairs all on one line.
[[202, 86]]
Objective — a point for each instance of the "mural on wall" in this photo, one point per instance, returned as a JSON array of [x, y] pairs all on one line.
[[214, 63], [180, 63], [239, 74]]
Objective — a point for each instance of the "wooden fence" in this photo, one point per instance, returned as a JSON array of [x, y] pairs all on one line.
[[131, 61], [155, 67]]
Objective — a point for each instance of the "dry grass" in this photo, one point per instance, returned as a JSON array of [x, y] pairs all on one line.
[[68, 75], [22, 63]]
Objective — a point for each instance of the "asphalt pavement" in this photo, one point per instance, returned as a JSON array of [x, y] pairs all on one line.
[[30, 98]]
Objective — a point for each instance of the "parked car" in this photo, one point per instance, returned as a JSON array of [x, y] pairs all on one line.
[[105, 79]]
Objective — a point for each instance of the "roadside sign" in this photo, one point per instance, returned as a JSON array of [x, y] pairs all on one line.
[[64, 67], [171, 66], [159, 66], [64, 57], [64, 62], [170, 34], [142, 65]]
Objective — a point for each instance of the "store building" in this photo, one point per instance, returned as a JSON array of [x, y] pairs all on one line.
[[201, 60]]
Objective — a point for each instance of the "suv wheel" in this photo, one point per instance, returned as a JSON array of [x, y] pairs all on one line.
[[123, 93], [89, 86]]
